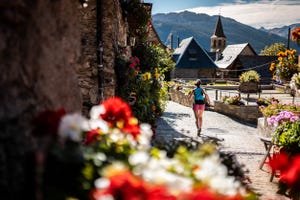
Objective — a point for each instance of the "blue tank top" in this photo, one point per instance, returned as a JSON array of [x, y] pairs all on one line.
[[198, 94]]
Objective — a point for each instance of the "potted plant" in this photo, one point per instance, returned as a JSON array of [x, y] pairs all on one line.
[[285, 66], [296, 35], [295, 84], [249, 82], [287, 133], [235, 100]]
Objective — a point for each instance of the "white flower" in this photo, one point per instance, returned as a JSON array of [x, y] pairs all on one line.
[[105, 197], [214, 173], [98, 123], [115, 135], [144, 138], [102, 183], [99, 158], [96, 111], [146, 130], [225, 185], [210, 167], [156, 172], [138, 158], [71, 127]]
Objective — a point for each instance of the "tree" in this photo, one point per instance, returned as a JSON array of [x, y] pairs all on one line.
[[273, 49]]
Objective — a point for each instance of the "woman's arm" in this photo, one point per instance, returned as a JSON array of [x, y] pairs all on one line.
[[190, 94], [206, 96]]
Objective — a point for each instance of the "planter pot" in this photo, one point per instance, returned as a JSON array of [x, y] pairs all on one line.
[[263, 129], [247, 113], [297, 113], [249, 87]]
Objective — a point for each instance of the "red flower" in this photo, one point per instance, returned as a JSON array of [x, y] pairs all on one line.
[[158, 192], [127, 186], [116, 110], [279, 162], [291, 176], [135, 61], [47, 122], [92, 136], [296, 34], [118, 114], [289, 168], [205, 193]]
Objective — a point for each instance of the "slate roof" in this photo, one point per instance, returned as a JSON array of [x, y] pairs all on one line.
[[230, 54], [219, 29], [202, 59]]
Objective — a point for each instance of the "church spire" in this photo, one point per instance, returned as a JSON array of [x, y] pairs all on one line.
[[219, 28], [218, 39]]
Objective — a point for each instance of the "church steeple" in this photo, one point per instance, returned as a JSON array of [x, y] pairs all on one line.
[[218, 39]]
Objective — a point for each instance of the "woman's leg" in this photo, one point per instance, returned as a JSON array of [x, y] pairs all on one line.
[[196, 118], [200, 118]]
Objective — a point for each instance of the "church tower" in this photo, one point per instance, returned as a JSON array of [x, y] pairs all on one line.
[[218, 39]]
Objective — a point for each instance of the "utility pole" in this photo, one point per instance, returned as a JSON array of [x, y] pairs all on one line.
[[289, 35]]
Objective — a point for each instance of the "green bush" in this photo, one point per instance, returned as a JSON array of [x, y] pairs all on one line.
[[249, 76], [235, 100], [141, 76]]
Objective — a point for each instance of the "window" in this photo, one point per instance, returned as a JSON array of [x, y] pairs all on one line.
[[214, 43], [192, 54]]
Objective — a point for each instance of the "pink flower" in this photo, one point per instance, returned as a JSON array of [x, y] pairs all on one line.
[[271, 120], [294, 118]]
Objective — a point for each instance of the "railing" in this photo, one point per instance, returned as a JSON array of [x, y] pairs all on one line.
[[250, 98]]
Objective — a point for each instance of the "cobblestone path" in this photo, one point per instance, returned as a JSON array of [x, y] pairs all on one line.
[[238, 138]]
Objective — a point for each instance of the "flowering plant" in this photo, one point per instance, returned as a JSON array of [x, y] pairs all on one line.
[[289, 169], [120, 163], [275, 107], [263, 101], [287, 133], [296, 35], [56, 159], [139, 171], [286, 65], [295, 81], [147, 85], [249, 76], [235, 100]]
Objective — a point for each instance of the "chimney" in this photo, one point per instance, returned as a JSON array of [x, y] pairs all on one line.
[[178, 41], [218, 54]]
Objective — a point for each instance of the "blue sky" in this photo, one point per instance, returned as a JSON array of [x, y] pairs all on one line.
[[256, 13]]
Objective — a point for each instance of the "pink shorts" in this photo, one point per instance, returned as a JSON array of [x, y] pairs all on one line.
[[198, 106]]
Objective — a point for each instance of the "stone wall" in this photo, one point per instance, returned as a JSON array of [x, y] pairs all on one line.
[[39, 51], [114, 34], [247, 113], [99, 82], [88, 75], [180, 97]]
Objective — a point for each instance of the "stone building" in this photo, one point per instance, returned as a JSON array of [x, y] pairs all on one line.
[[103, 29], [54, 54], [192, 61], [222, 62]]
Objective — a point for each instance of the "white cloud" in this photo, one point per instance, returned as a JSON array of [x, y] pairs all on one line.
[[268, 14]]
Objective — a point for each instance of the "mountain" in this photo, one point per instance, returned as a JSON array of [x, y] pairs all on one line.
[[282, 31], [201, 27]]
